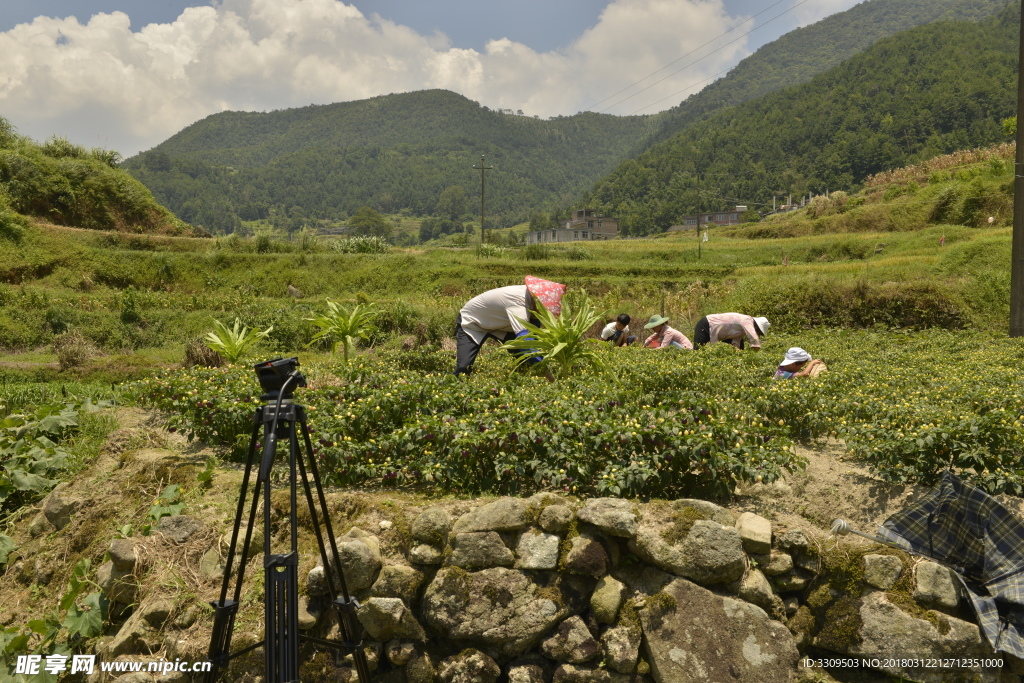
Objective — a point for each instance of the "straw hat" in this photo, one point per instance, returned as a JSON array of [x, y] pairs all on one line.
[[655, 321]]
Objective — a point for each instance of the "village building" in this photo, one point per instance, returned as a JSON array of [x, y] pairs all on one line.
[[585, 224], [731, 217]]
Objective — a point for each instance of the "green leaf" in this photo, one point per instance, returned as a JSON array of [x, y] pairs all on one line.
[[26, 481], [170, 492], [7, 546], [88, 622]]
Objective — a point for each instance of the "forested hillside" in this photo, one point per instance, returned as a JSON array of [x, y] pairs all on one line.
[[391, 152], [800, 55], [927, 91], [70, 185], [403, 151]]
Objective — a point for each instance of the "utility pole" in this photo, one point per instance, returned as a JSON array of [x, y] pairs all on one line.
[[483, 167], [1017, 250], [698, 218]]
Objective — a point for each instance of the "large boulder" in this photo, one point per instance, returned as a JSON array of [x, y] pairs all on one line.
[[935, 586], [755, 533], [586, 557], [710, 554], [386, 618], [398, 581], [359, 552], [469, 666], [538, 550], [571, 642], [505, 514], [479, 550], [879, 630], [691, 634], [432, 526], [622, 647], [614, 516], [499, 609]]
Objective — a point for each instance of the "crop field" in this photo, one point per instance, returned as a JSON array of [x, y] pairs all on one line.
[[902, 289], [657, 424]]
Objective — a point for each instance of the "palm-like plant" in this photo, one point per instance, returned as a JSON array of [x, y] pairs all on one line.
[[340, 325], [558, 340], [233, 342]]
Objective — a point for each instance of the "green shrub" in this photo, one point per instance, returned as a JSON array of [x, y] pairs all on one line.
[[489, 250], [535, 252], [340, 325], [575, 253], [233, 342], [361, 245]]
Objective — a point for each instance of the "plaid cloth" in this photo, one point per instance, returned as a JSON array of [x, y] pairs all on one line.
[[967, 530]]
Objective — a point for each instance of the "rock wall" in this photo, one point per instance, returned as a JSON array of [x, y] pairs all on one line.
[[546, 589]]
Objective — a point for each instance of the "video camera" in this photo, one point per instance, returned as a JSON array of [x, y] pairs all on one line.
[[273, 374]]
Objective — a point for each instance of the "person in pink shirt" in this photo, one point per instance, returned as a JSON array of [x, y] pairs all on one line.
[[665, 337], [730, 327]]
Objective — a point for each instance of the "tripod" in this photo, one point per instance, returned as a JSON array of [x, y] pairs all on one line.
[[282, 420]]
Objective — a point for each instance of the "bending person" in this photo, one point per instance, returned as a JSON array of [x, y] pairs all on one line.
[[665, 337], [730, 327], [499, 314], [617, 332], [798, 363]]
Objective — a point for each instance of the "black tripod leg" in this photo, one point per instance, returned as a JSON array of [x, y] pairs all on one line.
[[225, 610], [348, 624]]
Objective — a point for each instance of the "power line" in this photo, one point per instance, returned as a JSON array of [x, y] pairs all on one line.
[[686, 55], [678, 92]]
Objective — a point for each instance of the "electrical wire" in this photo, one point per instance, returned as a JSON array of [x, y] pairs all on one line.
[[721, 35], [718, 49]]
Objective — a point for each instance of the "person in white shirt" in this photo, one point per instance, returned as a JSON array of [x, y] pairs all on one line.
[[617, 331], [499, 314], [733, 328]]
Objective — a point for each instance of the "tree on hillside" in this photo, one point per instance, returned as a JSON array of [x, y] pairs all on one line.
[[539, 221], [452, 203], [368, 222]]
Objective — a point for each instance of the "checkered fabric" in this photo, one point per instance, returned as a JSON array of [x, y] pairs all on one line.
[[968, 530]]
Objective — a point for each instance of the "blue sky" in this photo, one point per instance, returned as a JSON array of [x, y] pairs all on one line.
[[127, 74]]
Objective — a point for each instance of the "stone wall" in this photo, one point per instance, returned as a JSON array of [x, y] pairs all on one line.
[[547, 589]]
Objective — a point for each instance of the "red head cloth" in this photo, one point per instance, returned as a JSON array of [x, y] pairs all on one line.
[[547, 292]]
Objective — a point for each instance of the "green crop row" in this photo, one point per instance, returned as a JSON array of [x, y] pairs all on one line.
[[662, 424]]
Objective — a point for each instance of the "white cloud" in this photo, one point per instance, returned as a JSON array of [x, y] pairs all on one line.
[[99, 83]]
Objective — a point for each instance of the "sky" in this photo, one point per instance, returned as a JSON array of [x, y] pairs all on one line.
[[128, 74]]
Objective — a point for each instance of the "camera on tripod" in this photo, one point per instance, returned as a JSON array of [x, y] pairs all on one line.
[[274, 374], [282, 420]]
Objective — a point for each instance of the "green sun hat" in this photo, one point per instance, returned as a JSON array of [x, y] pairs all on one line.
[[655, 321]]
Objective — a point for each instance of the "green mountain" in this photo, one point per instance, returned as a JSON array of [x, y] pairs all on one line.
[[931, 90], [391, 152], [801, 54], [404, 151]]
